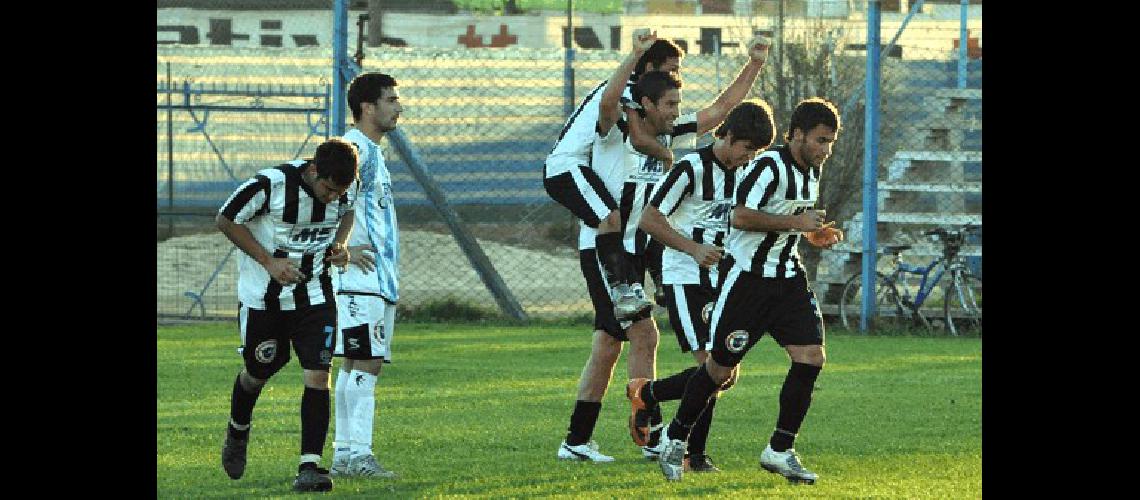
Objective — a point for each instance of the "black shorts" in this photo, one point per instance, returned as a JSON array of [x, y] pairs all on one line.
[[690, 308], [583, 193], [266, 335], [749, 306], [599, 289]]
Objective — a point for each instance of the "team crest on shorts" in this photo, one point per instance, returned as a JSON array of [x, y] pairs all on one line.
[[266, 351], [736, 341], [326, 357], [706, 312]]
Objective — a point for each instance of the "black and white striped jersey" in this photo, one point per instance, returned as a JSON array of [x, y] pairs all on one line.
[[287, 220], [572, 149], [630, 175], [773, 183], [696, 197]]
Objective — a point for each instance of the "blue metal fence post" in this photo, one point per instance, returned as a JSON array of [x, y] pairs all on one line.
[[340, 51], [871, 164], [568, 70], [962, 54]]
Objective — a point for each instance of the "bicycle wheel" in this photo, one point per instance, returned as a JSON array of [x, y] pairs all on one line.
[[962, 310], [890, 312]]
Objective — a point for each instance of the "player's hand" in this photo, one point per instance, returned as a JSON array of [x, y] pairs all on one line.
[[758, 48], [337, 255], [643, 38], [825, 236], [283, 271], [707, 255], [809, 220], [363, 256]]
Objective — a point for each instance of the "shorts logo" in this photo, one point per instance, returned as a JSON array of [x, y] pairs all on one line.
[[326, 357], [736, 341], [378, 332], [353, 307], [266, 351], [706, 312]]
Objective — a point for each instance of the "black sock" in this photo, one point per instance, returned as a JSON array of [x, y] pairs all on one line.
[[241, 408], [314, 420], [582, 422], [795, 398], [654, 421], [697, 393], [668, 388], [700, 433], [611, 254]]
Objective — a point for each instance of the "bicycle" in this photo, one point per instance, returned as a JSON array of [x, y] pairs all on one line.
[[959, 297]]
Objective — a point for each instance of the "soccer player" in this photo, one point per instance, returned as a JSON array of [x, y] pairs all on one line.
[[570, 179], [766, 291], [688, 213], [628, 175], [290, 223], [367, 292]]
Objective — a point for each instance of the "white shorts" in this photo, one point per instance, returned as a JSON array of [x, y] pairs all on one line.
[[365, 326]]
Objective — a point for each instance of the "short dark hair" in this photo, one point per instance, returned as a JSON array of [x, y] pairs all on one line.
[[653, 85], [811, 112], [750, 120], [367, 87], [657, 53], [336, 160]]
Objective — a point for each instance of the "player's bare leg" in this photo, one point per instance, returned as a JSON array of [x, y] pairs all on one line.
[[592, 385]]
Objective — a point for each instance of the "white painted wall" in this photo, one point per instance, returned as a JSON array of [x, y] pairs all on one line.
[[928, 35]]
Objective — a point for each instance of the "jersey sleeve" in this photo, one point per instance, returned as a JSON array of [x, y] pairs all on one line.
[[678, 184], [685, 132], [248, 201]]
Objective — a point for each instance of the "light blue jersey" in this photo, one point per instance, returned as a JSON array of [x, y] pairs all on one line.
[[375, 225]]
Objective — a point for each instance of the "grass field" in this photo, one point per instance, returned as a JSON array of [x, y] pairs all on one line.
[[479, 411]]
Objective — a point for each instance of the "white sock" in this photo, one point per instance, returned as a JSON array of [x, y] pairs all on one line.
[[362, 391], [342, 442]]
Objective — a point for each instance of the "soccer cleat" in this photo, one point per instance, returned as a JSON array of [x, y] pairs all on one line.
[[652, 452], [586, 451], [367, 466], [340, 464], [672, 460], [700, 463], [312, 479], [233, 456], [639, 412], [629, 301], [787, 464]]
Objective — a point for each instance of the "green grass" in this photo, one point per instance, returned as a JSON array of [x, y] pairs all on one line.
[[479, 411]]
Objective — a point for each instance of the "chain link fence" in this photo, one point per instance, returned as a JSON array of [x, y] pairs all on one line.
[[483, 120]]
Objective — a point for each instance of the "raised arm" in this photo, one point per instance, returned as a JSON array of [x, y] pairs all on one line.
[[610, 104], [715, 113], [644, 141]]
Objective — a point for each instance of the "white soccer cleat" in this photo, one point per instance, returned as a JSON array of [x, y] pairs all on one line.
[[339, 464], [672, 459], [653, 452], [786, 463], [629, 301], [367, 466], [586, 451]]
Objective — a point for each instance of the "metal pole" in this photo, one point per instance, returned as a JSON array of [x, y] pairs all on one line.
[[780, 66], [169, 154], [871, 165], [962, 53], [568, 70], [340, 54]]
